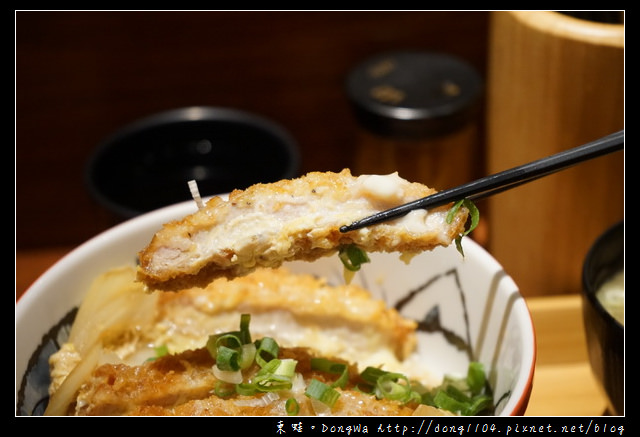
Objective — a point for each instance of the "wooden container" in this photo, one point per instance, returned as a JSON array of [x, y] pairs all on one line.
[[554, 82]]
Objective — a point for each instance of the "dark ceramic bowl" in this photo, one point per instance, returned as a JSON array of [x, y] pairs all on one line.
[[147, 164], [605, 334]]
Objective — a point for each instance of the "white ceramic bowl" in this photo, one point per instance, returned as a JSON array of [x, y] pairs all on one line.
[[468, 308]]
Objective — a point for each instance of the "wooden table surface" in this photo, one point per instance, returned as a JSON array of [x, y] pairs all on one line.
[[563, 383]]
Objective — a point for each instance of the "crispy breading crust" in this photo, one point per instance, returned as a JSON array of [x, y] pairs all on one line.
[[298, 310], [311, 301], [295, 219], [182, 385]]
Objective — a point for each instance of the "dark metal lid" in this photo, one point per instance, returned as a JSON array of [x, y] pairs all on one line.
[[414, 94]]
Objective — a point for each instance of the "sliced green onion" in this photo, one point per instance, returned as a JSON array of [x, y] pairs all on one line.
[[275, 375], [286, 367], [292, 407], [328, 366], [390, 385], [476, 379], [267, 350], [247, 355], [478, 404], [234, 351], [245, 334], [352, 257], [270, 367], [371, 374], [457, 393], [394, 386], [322, 392], [447, 402], [160, 351], [246, 389], [227, 359], [466, 396], [475, 219], [229, 340]]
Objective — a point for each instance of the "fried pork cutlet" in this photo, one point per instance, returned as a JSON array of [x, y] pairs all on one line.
[[294, 219], [297, 310], [184, 385]]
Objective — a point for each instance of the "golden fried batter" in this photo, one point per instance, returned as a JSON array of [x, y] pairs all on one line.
[[297, 309], [303, 313], [183, 385], [297, 219]]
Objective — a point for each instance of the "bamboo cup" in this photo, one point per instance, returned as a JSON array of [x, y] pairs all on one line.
[[554, 82]]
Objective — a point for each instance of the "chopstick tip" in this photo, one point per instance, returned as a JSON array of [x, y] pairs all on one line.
[[345, 228]]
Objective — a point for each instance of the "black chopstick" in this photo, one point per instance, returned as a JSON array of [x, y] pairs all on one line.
[[498, 182]]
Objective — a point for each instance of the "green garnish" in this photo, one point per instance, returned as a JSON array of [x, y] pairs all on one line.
[[397, 387], [322, 392], [352, 257], [475, 219], [275, 375], [389, 385], [266, 348], [160, 351], [292, 407], [476, 380], [466, 396], [328, 366], [233, 355], [234, 352]]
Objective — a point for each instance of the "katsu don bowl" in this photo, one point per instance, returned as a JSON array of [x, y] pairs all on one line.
[[461, 309]]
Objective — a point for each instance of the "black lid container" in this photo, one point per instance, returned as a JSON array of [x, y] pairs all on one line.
[[418, 115], [412, 94]]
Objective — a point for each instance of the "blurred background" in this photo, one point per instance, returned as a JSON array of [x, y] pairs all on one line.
[[81, 76]]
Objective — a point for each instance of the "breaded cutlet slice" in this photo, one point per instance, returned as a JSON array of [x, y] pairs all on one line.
[[292, 219], [184, 385], [297, 309]]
